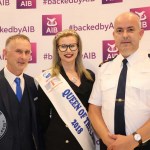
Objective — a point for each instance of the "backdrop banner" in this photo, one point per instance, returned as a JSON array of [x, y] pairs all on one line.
[[40, 20]]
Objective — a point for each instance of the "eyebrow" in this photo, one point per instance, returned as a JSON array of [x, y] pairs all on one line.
[[123, 28], [23, 50]]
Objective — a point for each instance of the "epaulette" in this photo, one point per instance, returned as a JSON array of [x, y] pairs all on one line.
[[107, 61], [149, 55]]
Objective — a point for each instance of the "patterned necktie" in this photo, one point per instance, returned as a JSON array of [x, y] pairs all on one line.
[[18, 89], [119, 126]]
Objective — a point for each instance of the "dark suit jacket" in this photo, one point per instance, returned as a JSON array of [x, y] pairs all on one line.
[[6, 136]]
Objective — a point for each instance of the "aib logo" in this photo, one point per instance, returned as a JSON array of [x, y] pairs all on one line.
[[51, 24], [109, 49], [33, 53], [111, 1], [26, 4], [144, 14]]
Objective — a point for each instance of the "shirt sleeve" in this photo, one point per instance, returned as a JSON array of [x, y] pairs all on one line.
[[95, 97]]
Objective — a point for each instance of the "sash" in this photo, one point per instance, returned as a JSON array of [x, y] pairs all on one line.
[[69, 108]]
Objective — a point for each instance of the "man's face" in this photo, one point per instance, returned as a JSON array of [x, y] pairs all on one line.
[[17, 54], [127, 34]]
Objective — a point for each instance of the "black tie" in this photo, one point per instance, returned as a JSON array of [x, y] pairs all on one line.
[[119, 125]]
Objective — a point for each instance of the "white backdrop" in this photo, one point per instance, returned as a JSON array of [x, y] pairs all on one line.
[[92, 19]]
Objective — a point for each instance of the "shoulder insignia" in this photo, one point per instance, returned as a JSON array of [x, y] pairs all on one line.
[[107, 61]]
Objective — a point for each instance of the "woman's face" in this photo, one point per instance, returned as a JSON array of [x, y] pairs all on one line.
[[68, 49]]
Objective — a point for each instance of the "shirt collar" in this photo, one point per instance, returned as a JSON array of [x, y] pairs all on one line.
[[10, 76], [134, 58]]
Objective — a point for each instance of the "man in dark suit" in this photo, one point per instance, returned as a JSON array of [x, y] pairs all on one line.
[[18, 122]]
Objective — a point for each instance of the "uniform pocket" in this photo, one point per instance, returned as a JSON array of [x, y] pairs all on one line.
[[108, 89], [141, 86]]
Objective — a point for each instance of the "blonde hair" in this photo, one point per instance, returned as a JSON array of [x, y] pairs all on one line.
[[78, 62]]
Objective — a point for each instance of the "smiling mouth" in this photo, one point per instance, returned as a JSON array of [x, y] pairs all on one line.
[[22, 63], [68, 55]]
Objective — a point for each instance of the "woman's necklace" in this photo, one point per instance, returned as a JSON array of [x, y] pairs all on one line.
[[74, 79]]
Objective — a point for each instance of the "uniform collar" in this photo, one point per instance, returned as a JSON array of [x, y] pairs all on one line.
[[134, 58]]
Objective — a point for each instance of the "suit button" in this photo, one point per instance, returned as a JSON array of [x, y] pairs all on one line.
[[66, 141]]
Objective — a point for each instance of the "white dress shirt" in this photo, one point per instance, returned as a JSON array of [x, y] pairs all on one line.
[[11, 77], [137, 97]]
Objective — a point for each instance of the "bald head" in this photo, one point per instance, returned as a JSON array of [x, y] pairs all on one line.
[[128, 16], [127, 33]]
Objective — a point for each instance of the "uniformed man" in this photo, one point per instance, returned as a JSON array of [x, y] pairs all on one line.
[[134, 108]]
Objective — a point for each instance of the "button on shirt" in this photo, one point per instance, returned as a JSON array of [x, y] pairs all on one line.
[[11, 77], [66, 141], [137, 101]]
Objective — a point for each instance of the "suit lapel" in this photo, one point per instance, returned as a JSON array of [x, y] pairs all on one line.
[[4, 93]]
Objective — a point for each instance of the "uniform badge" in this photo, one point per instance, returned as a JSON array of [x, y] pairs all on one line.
[[3, 125]]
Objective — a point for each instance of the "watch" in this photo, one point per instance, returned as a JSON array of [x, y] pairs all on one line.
[[138, 138]]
